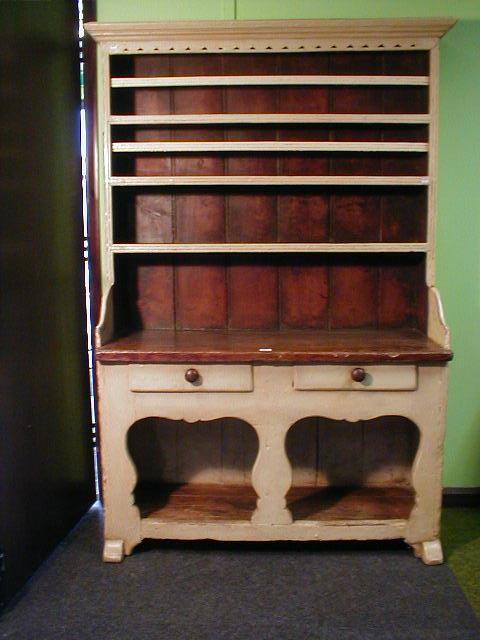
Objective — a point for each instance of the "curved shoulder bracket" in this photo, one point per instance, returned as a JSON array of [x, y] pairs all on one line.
[[104, 332], [437, 326]]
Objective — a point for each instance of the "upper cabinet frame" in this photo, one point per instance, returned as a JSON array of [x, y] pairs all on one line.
[[235, 36]]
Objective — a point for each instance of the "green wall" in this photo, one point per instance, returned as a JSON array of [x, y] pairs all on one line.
[[458, 235]]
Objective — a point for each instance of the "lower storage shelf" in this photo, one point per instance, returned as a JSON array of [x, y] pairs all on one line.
[[218, 503], [193, 502]]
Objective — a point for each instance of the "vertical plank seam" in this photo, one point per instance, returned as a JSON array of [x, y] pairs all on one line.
[[226, 214], [378, 266], [331, 202], [173, 205], [277, 263]]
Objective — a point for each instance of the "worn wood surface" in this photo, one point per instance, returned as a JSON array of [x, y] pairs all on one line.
[[289, 346], [274, 292], [211, 502], [381, 451]]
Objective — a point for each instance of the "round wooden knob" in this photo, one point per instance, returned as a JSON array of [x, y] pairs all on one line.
[[358, 374], [191, 375]]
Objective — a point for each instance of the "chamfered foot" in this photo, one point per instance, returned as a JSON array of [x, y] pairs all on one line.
[[113, 551], [430, 552]]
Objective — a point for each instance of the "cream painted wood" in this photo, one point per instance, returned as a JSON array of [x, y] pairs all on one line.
[[270, 46], [432, 162], [339, 378], [113, 551], [430, 552], [272, 118], [198, 147], [119, 476], [105, 330], [163, 181], [212, 451], [283, 35], [276, 80], [271, 475], [274, 247], [107, 222], [427, 467], [171, 378], [437, 325], [300, 530]]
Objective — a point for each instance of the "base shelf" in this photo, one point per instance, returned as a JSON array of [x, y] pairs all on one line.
[[339, 346], [215, 503]]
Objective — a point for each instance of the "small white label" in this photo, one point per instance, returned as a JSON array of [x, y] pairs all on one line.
[[265, 349]]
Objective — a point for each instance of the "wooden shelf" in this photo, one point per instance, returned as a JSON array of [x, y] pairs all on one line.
[[252, 181], [279, 247], [272, 118], [340, 346], [268, 146], [233, 503], [271, 80]]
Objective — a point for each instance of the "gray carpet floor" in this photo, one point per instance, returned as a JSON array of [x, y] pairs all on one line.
[[200, 591]]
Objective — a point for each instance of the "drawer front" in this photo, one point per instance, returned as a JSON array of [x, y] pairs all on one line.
[[341, 378], [184, 378]]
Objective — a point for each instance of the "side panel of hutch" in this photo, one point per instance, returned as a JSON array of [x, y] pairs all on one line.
[[272, 353]]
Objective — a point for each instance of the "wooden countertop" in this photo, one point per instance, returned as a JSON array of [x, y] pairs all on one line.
[[275, 347]]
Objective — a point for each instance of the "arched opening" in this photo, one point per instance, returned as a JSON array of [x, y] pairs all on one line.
[[194, 472], [352, 470]]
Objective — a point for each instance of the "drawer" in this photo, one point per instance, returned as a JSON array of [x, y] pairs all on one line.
[[186, 378], [342, 378]]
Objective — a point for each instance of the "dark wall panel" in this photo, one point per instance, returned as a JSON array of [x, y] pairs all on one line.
[[46, 461]]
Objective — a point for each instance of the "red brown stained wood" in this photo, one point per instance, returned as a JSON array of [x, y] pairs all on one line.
[[200, 217], [151, 101], [353, 294], [303, 99], [153, 217], [202, 291], [304, 294], [197, 100], [303, 217], [251, 217], [201, 294], [356, 216], [253, 294], [216, 502], [404, 216], [155, 299], [401, 295], [337, 347]]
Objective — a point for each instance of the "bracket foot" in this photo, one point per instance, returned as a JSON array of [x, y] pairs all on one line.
[[430, 552], [113, 551]]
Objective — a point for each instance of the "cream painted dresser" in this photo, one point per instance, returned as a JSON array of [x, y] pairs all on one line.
[[272, 354]]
